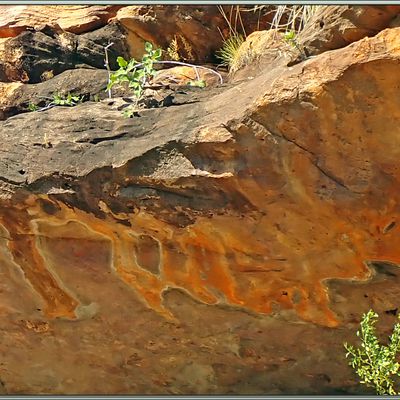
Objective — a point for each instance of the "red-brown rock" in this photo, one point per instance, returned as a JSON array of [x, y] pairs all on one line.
[[219, 246], [75, 19], [333, 27]]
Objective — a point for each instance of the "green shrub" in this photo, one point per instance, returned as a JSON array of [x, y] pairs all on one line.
[[66, 100], [373, 362], [137, 74], [32, 106]]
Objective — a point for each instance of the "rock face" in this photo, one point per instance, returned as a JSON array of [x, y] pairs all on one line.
[[37, 39], [226, 244], [260, 50], [333, 27], [200, 27], [75, 19], [86, 83], [31, 55]]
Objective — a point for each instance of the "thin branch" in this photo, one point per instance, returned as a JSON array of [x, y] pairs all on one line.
[[51, 105], [187, 65], [106, 64]]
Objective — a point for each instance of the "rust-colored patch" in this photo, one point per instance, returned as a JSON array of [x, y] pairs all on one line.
[[220, 265]]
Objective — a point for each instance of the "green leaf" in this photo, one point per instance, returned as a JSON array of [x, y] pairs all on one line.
[[114, 77], [32, 107], [290, 35], [134, 84], [157, 54], [199, 83], [148, 47], [122, 62], [140, 74]]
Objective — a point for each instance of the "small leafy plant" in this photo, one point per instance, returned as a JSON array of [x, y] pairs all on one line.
[[66, 100], [32, 107], [374, 363], [137, 74], [57, 100], [290, 37], [199, 83]]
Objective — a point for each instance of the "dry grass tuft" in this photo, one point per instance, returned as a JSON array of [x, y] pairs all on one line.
[[235, 53]]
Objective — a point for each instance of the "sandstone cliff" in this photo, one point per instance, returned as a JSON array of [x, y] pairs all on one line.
[[225, 242]]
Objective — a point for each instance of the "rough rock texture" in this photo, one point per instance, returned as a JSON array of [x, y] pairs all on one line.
[[90, 84], [75, 19], [87, 83], [202, 27], [31, 55], [37, 39], [258, 52], [183, 75], [219, 246], [333, 27]]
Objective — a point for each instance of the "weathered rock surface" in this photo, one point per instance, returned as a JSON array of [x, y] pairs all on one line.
[[75, 19], [35, 40], [258, 52], [201, 27], [184, 75], [191, 248], [31, 55], [90, 84], [85, 83], [333, 27]]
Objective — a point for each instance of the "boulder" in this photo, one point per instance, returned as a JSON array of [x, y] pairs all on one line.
[[85, 83], [36, 39], [186, 75], [199, 30], [258, 52], [31, 55], [333, 27], [75, 19]]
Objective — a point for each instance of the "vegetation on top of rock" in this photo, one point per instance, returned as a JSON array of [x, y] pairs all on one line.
[[214, 207], [229, 51], [287, 19], [32, 107], [293, 17], [137, 74], [290, 37], [58, 99], [374, 363], [199, 83], [66, 100]]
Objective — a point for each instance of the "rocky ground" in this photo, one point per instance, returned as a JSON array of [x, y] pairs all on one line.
[[224, 239]]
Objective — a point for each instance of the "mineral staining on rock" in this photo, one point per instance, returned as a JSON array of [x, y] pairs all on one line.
[[278, 234]]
